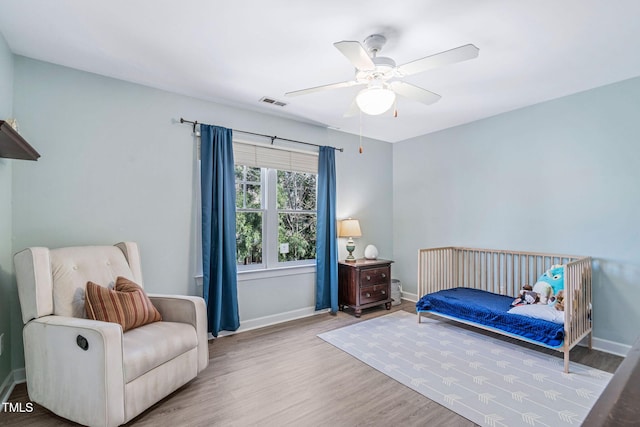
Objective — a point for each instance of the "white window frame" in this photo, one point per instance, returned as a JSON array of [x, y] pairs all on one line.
[[270, 228], [263, 209], [270, 246]]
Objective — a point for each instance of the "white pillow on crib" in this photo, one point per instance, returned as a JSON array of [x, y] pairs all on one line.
[[539, 311]]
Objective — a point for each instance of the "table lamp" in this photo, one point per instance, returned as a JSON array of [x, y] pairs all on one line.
[[350, 228]]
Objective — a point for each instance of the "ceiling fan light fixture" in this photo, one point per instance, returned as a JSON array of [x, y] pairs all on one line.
[[375, 100]]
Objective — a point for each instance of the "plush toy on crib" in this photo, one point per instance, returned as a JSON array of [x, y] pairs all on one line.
[[550, 283], [558, 300], [527, 296]]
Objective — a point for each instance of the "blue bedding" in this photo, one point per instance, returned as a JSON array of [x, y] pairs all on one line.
[[490, 309]]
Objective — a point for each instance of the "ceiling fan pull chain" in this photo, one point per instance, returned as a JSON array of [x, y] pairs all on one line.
[[360, 148]]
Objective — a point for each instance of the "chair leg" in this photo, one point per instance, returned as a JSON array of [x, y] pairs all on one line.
[[566, 361]]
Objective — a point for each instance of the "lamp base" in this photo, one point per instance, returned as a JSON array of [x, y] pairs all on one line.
[[350, 248]]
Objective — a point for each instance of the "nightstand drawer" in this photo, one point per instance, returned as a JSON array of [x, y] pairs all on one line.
[[373, 293], [374, 276]]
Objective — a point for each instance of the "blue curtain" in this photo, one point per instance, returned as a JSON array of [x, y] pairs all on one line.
[[219, 228], [327, 240]]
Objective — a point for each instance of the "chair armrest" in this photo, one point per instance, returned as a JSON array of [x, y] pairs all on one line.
[[186, 309], [82, 385]]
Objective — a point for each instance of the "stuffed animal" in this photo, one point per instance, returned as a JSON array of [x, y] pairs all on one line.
[[527, 296], [558, 300], [553, 278], [544, 291]]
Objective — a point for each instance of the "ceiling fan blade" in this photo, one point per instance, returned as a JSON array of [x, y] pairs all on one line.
[[321, 88], [356, 54], [353, 109], [457, 54], [414, 92]]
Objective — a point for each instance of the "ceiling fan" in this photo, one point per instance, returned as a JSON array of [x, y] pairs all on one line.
[[381, 75]]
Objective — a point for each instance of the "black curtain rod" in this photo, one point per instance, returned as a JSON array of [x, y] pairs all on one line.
[[273, 138]]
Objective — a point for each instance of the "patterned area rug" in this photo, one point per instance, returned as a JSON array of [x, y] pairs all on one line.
[[488, 381]]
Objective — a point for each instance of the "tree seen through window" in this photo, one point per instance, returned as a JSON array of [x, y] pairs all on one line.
[[292, 221]]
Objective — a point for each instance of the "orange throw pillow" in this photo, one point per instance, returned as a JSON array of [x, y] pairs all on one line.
[[127, 305]]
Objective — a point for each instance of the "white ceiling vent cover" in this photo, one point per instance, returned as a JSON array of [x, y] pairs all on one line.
[[272, 101]]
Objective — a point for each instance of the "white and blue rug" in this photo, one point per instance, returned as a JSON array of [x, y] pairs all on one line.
[[486, 380]]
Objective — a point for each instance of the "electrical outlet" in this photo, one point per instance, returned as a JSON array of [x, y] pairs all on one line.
[[1, 344]]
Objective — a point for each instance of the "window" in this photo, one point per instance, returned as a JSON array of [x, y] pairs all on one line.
[[296, 195], [275, 208], [249, 215]]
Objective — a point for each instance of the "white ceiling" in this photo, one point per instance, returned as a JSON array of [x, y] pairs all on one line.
[[236, 52]]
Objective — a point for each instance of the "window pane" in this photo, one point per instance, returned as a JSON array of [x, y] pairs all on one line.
[[248, 187], [296, 191], [253, 199], [249, 238], [239, 195], [239, 172], [247, 173], [296, 236], [253, 174]]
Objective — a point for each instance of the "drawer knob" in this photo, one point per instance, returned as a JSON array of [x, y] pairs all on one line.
[[384, 275], [368, 294], [384, 292], [368, 277]]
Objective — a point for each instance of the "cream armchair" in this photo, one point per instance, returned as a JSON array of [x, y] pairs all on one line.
[[89, 371]]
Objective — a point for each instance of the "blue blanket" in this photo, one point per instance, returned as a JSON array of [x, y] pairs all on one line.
[[490, 309]]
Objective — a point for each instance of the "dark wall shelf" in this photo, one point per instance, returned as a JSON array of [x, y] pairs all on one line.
[[13, 146]]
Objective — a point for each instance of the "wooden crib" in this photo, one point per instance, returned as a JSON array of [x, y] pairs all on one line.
[[505, 272]]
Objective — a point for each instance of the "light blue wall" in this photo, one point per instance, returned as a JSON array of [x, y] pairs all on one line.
[[365, 192], [7, 281], [555, 177], [116, 165], [560, 176]]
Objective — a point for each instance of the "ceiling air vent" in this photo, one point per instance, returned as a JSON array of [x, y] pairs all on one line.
[[272, 101]]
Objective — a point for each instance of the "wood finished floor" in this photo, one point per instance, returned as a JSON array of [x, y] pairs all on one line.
[[284, 375]]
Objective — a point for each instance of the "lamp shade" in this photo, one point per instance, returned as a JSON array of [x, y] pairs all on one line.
[[349, 228], [375, 100]]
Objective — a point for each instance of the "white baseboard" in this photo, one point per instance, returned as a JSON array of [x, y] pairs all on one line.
[[16, 376], [611, 347], [409, 297], [19, 376], [261, 322], [7, 387]]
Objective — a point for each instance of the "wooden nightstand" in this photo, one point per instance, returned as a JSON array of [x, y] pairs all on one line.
[[364, 283]]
